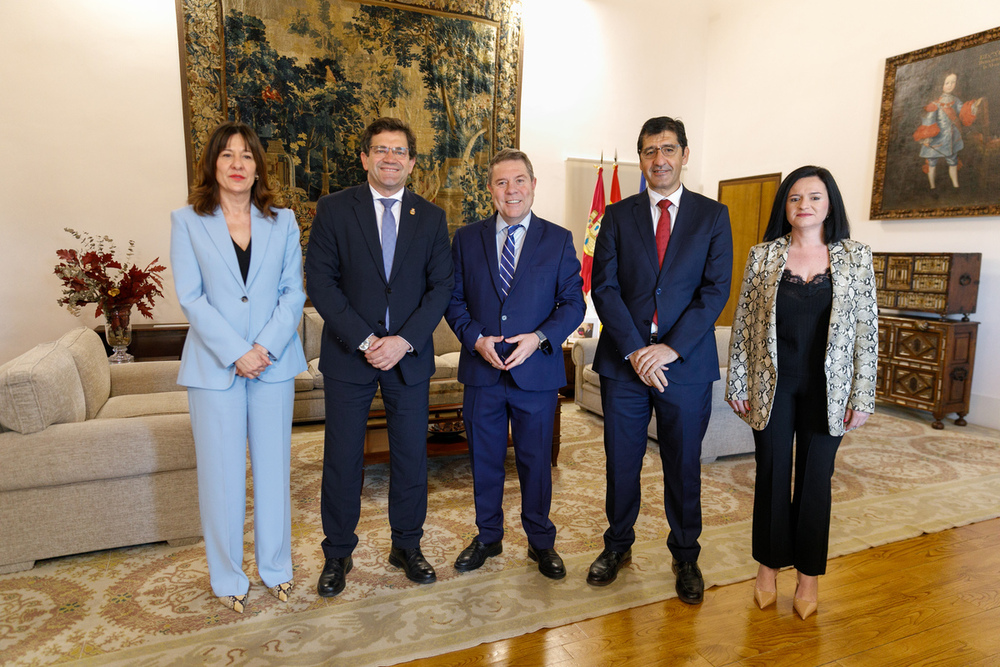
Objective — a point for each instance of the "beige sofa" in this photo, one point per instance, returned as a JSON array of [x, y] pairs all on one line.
[[727, 434], [97, 456], [92, 456]]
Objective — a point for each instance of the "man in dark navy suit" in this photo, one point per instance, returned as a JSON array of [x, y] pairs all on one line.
[[518, 295], [379, 272], [662, 267]]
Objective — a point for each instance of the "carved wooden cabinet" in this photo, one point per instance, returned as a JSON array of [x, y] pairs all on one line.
[[941, 283], [923, 362], [927, 364]]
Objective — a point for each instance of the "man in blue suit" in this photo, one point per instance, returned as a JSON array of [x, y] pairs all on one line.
[[518, 295], [379, 272], [662, 267]]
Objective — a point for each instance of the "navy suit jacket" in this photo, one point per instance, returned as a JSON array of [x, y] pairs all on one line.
[[546, 294], [688, 292], [227, 316], [347, 284]]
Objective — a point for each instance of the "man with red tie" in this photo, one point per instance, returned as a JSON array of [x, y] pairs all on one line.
[[662, 268]]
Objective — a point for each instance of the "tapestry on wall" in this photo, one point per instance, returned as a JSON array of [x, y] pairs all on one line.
[[310, 75]]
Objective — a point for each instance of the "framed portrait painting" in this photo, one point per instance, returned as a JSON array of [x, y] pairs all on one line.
[[938, 151], [310, 75]]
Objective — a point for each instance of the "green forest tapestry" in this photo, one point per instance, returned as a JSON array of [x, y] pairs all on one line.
[[309, 75]]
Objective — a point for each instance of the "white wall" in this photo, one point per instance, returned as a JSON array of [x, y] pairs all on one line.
[[793, 83], [594, 71], [91, 133], [91, 123]]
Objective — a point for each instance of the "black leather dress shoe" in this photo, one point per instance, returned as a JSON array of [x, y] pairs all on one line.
[[414, 564], [474, 555], [605, 568], [549, 562], [332, 580], [690, 585]]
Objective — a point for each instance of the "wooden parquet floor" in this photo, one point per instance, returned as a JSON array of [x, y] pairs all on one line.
[[931, 600]]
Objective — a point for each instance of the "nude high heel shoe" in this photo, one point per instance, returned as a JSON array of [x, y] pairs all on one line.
[[804, 608], [765, 599]]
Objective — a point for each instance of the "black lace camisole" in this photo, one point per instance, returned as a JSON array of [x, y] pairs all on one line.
[[802, 324]]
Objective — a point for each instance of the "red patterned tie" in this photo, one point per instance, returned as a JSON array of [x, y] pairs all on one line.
[[662, 234], [663, 229]]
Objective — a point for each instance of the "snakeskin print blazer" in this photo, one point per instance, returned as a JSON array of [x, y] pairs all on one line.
[[852, 342]]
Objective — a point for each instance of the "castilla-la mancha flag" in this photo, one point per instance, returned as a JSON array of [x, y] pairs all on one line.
[[594, 225]]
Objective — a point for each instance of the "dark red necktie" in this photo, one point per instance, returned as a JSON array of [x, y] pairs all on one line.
[[662, 234], [663, 229]]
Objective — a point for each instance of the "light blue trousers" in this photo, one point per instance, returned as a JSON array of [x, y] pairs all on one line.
[[224, 423]]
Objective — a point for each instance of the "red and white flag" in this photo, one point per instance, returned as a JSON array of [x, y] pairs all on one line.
[[594, 226]]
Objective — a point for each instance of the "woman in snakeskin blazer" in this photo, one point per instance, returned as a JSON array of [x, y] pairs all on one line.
[[802, 369]]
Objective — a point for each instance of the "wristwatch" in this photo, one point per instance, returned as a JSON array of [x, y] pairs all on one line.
[[543, 342], [366, 343]]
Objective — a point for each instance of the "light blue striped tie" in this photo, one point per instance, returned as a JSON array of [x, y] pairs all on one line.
[[507, 260], [388, 243]]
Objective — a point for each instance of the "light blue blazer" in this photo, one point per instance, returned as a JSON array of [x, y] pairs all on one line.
[[226, 316]]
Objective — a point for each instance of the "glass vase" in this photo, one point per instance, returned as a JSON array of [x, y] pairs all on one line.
[[118, 332]]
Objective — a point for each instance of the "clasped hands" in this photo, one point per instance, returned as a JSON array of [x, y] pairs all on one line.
[[253, 363], [385, 352], [651, 362], [527, 343]]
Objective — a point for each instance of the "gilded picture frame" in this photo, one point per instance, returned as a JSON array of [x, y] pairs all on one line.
[[938, 154], [309, 75]]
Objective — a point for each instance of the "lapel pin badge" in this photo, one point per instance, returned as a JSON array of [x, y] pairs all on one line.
[[413, 211]]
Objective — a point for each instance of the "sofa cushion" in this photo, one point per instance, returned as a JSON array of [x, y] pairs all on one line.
[[141, 405], [96, 450], [446, 365], [445, 339], [317, 377], [39, 388], [722, 336], [446, 392], [304, 381], [311, 333], [92, 363], [590, 375]]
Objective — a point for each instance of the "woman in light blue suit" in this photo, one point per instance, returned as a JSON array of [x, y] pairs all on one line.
[[237, 267]]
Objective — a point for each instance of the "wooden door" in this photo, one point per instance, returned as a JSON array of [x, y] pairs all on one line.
[[749, 201]]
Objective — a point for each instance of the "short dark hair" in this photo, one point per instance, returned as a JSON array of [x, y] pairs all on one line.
[[387, 124], [204, 195], [662, 124], [835, 227], [506, 155]]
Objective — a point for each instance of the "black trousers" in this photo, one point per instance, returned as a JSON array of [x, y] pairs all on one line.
[[793, 528], [347, 407]]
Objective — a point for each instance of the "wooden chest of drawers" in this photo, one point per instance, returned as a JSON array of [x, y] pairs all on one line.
[[941, 283], [926, 364]]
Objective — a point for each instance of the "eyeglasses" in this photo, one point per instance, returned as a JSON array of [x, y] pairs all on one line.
[[382, 151], [668, 150]]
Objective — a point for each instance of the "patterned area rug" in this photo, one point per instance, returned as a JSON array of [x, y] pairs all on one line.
[[896, 478]]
